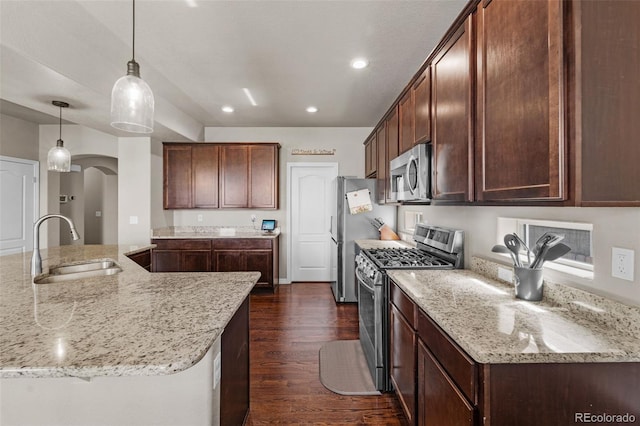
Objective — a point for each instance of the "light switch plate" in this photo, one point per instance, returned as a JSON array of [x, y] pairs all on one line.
[[133, 220], [622, 261]]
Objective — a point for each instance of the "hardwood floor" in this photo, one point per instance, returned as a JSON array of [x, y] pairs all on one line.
[[287, 330]]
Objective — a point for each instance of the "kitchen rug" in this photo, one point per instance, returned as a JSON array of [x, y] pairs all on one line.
[[343, 369]]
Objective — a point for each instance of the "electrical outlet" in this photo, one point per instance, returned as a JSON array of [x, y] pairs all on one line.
[[622, 263], [199, 218], [133, 220], [505, 274]]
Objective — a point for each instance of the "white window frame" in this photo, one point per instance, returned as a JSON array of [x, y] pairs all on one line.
[[518, 225]]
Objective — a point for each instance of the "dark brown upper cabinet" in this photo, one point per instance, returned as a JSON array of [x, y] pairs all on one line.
[[370, 156], [422, 107], [177, 177], [520, 143], [204, 162], [607, 95], [392, 127], [219, 175], [452, 118], [382, 168], [406, 122]]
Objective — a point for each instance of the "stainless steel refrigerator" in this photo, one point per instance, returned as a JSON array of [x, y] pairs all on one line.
[[346, 228]]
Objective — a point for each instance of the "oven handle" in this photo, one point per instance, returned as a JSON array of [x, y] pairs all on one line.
[[364, 283]]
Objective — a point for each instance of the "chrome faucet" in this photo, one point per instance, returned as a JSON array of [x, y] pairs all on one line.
[[36, 261]]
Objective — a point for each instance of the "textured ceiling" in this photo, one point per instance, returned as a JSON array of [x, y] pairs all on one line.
[[290, 54]]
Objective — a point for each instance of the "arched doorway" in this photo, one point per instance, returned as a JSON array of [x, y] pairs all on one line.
[[90, 198]]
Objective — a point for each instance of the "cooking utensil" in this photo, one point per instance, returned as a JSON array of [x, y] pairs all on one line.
[[513, 244], [499, 248], [523, 244], [555, 252], [548, 241]]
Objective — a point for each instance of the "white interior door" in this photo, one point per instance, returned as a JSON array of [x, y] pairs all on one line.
[[18, 204], [310, 198]]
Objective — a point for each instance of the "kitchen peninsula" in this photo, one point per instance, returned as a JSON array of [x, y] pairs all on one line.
[[130, 348]]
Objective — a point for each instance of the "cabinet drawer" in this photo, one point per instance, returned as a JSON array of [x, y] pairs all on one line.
[[456, 362], [242, 243], [403, 304], [187, 244]]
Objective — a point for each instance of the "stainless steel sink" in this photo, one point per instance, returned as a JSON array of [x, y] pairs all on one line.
[[76, 271], [89, 265]]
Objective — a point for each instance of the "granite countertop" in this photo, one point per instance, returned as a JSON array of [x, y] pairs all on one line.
[[128, 324], [179, 232], [483, 316]]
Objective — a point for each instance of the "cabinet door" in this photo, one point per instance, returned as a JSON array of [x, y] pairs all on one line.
[[234, 176], [204, 163], [263, 180], [440, 403], [452, 117], [392, 142], [177, 189], [422, 107], [234, 375], [406, 122], [229, 260], [610, 101], [195, 261], [520, 142], [370, 156], [382, 170], [261, 261], [166, 261], [403, 362]]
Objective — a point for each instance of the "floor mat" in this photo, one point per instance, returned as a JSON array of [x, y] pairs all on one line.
[[343, 368]]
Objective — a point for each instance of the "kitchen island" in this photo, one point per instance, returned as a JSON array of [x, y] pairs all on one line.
[[485, 357], [129, 348]]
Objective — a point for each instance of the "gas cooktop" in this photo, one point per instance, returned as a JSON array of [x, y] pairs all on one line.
[[398, 258]]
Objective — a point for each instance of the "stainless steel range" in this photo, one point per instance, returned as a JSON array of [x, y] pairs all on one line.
[[437, 248]]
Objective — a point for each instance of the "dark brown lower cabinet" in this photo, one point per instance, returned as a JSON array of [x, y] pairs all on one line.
[[234, 377], [142, 258], [219, 255], [454, 390], [403, 351], [248, 254], [439, 400], [181, 255]]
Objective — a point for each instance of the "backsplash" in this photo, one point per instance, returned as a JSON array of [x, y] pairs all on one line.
[[607, 312]]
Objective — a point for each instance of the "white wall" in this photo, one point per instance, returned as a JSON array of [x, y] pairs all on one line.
[[134, 190], [347, 141], [18, 138], [79, 140], [619, 227]]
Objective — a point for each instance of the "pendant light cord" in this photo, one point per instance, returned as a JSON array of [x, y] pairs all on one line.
[[133, 44], [60, 127]]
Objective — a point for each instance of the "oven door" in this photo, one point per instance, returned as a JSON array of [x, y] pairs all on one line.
[[370, 318]]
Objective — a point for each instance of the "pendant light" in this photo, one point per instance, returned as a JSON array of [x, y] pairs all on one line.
[[59, 157], [132, 101]]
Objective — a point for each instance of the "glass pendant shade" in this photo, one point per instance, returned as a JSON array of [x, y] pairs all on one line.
[[59, 158], [132, 102]]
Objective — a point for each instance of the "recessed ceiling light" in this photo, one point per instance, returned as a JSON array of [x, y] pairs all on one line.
[[359, 63], [312, 109], [227, 108]]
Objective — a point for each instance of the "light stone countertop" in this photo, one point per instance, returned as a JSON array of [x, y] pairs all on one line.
[[128, 324], [179, 232], [483, 316]]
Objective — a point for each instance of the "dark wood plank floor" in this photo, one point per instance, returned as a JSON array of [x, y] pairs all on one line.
[[287, 330]]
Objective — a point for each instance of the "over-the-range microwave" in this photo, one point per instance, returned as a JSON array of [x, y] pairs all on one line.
[[411, 175]]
